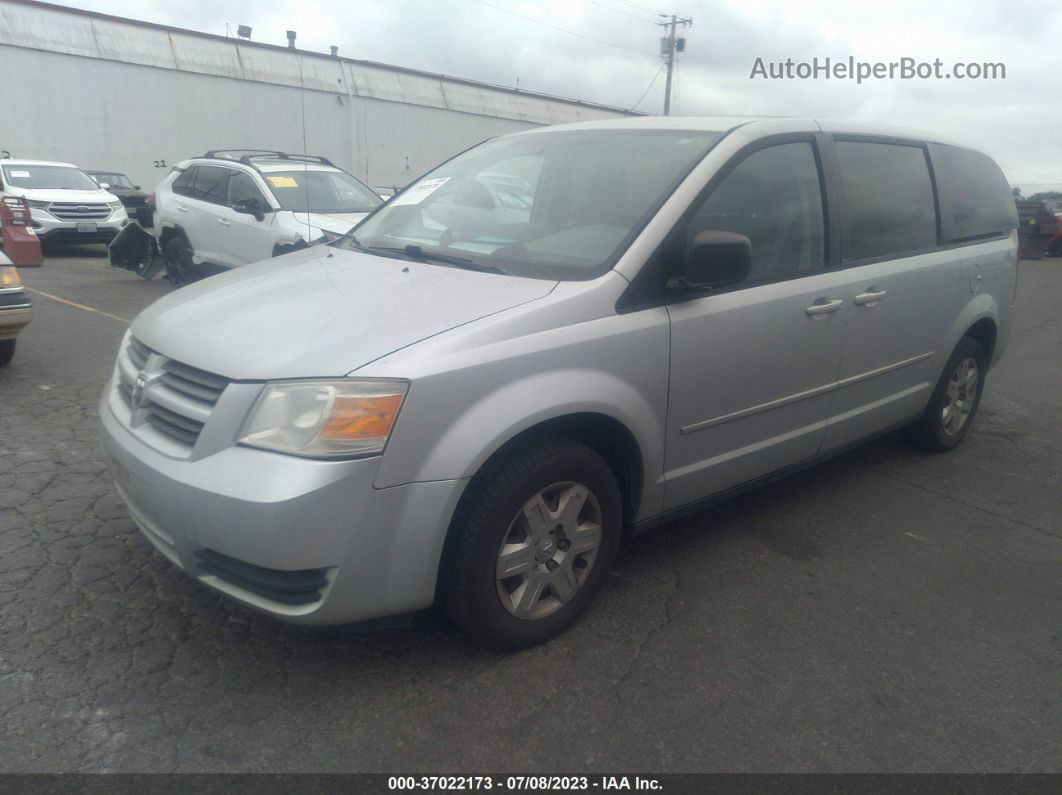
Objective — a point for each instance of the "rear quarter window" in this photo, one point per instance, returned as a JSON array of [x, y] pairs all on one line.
[[889, 207], [182, 185], [980, 201]]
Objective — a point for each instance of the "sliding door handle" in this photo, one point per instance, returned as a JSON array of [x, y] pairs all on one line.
[[824, 306], [870, 297]]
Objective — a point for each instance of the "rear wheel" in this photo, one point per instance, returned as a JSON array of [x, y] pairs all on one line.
[[7, 351], [536, 544], [179, 264], [955, 400]]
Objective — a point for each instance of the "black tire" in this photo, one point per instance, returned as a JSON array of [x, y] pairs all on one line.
[[7, 352], [179, 264], [932, 431], [472, 591]]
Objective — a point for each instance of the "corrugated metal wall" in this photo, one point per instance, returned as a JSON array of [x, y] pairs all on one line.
[[114, 94]]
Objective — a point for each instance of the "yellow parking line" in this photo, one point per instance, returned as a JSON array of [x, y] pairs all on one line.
[[79, 306]]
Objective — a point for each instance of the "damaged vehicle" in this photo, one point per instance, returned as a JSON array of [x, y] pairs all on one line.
[[230, 208]]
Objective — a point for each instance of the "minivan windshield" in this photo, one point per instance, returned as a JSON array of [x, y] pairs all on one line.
[[48, 177], [303, 190], [557, 205]]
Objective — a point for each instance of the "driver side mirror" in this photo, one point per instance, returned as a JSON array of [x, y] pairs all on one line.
[[136, 187], [251, 207], [104, 185], [716, 259]]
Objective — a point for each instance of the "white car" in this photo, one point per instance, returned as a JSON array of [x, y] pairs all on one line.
[[234, 207], [66, 204]]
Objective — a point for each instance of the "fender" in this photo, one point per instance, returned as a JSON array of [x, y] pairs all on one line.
[[497, 417]]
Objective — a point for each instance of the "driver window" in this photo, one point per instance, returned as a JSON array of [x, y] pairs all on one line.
[[243, 187], [774, 198]]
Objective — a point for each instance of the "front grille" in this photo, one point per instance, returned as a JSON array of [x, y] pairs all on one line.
[[138, 353], [193, 382], [73, 211], [286, 587], [173, 424], [177, 399], [132, 201]]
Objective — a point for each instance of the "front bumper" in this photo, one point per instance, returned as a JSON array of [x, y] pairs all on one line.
[[296, 523], [16, 311], [51, 230]]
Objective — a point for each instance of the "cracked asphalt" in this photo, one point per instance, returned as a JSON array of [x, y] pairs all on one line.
[[886, 611]]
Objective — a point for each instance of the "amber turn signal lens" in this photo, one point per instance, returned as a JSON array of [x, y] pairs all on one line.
[[361, 417]]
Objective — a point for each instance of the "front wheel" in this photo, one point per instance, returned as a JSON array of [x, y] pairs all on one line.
[[955, 400], [536, 544], [7, 352], [178, 253]]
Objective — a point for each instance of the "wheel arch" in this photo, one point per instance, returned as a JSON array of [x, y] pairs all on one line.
[[604, 434], [979, 319], [985, 331]]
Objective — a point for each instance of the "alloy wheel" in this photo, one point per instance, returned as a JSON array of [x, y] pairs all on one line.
[[960, 396]]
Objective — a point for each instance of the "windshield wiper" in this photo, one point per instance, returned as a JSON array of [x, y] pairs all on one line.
[[417, 252]]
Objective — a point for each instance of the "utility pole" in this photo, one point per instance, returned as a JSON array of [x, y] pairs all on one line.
[[669, 45]]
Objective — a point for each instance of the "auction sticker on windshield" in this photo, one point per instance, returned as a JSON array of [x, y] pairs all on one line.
[[283, 182], [420, 191]]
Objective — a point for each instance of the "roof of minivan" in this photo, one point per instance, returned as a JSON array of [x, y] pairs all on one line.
[[725, 124], [12, 161]]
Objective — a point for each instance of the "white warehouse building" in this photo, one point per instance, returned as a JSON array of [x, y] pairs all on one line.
[[110, 93]]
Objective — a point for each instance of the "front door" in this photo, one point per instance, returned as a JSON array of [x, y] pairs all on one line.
[[752, 367], [244, 238]]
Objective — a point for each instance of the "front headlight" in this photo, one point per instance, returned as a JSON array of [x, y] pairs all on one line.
[[9, 278], [115, 205], [334, 418], [37, 204]]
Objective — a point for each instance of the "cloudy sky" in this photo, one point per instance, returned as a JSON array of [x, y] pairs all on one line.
[[607, 51]]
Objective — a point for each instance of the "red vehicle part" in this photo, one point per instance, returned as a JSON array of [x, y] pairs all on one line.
[[21, 244]]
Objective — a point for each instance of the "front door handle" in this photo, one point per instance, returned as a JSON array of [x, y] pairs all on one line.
[[182, 208], [824, 306], [870, 297], [225, 222]]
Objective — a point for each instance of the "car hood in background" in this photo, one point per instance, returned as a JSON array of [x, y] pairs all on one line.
[[321, 311], [52, 195], [338, 223]]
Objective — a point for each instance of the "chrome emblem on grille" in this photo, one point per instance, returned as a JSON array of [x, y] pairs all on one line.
[[82, 209], [137, 396]]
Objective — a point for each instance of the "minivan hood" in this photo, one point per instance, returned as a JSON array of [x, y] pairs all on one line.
[[320, 312], [338, 223]]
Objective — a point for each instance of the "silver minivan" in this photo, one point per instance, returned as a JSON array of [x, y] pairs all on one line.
[[556, 338]]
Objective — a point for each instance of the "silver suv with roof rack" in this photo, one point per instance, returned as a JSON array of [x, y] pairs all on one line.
[[233, 207]]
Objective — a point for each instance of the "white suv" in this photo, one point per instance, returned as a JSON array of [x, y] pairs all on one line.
[[234, 207], [66, 204]]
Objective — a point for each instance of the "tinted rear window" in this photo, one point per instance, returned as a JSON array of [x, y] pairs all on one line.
[[982, 204], [890, 207]]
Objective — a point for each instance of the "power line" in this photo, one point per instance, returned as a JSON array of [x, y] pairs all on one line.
[[647, 89], [639, 6], [561, 30], [620, 11]]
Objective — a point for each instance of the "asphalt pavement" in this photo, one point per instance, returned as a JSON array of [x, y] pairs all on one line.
[[888, 610]]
